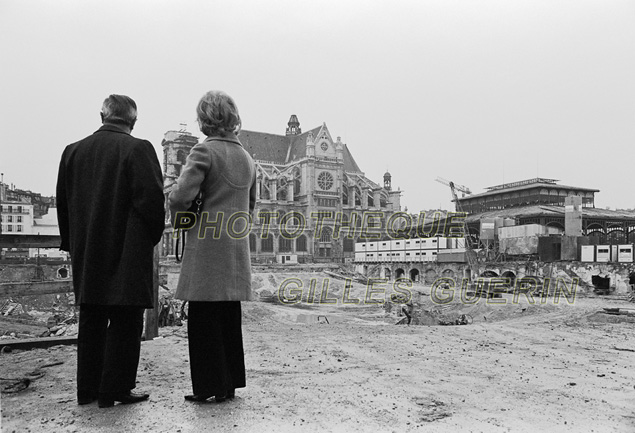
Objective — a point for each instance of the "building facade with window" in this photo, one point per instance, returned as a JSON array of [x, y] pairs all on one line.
[[16, 217], [542, 201], [25, 213], [313, 200]]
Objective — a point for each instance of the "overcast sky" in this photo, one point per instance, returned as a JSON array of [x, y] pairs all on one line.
[[478, 92]]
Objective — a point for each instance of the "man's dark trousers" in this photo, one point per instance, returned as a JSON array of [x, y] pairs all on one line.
[[108, 348]]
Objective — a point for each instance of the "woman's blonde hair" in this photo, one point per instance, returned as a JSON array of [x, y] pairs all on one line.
[[217, 114]]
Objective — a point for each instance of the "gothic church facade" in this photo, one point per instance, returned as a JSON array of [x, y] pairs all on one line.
[[313, 200]]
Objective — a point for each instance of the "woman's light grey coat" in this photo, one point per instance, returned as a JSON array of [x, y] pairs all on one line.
[[216, 263]]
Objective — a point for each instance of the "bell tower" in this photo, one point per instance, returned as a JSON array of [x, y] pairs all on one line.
[[387, 181], [293, 127]]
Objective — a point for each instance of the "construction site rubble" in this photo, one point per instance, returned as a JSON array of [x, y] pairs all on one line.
[[172, 312]]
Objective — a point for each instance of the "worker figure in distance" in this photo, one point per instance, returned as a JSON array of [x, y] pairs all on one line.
[[408, 309]]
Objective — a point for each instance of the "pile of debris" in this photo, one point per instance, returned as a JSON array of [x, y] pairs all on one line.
[[59, 325], [11, 308]]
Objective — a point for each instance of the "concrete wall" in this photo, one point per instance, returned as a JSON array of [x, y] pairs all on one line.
[[24, 273], [566, 271]]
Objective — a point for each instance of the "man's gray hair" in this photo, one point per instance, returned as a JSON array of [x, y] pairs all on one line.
[[217, 114], [119, 109]]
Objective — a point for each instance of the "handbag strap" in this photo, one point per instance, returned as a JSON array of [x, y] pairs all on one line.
[[182, 234]]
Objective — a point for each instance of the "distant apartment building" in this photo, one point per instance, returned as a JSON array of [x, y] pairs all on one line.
[[27, 213]]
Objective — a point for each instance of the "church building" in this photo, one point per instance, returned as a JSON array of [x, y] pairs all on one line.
[[313, 200]]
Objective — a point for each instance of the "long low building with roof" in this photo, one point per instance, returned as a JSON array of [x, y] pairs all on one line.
[[541, 201]]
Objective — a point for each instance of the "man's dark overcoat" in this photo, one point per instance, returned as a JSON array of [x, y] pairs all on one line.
[[111, 214]]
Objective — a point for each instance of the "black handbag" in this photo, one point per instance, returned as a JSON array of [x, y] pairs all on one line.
[[191, 215]]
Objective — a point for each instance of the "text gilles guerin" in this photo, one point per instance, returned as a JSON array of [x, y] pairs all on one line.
[[368, 226]]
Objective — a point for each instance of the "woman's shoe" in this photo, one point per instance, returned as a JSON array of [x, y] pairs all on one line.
[[220, 398], [196, 397], [231, 393]]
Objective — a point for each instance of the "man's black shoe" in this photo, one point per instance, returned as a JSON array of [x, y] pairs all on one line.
[[85, 397], [197, 398], [108, 400]]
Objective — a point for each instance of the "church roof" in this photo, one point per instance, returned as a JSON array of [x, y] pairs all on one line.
[[282, 149], [349, 161], [264, 146], [551, 211]]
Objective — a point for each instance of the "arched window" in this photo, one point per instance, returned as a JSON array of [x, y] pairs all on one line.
[[327, 234], [252, 242], [266, 245], [300, 244], [264, 190], [284, 244]]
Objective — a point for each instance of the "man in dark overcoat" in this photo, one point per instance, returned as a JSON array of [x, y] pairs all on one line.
[[111, 215]]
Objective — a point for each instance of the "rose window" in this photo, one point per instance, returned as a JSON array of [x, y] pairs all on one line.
[[325, 180]]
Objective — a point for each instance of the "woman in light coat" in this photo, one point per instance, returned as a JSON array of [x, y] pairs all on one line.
[[216, 268]]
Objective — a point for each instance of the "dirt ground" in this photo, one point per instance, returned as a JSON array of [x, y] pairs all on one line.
[[518, 367]]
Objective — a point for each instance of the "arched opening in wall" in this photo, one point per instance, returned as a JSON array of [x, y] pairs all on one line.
[[62, 273], [467, 273], [327, 234], [252, 242], [616, 237], [596, 237], [300, 244], [371, 200], [282, 193], [266, 245], [345, 195], [631, 237], [387, 273], [448, 273], [324, 249], [511, 276], [181, 156], [358, 197], [414, 275], [399, 273], [430, 276], [556, 224], [284, 244], [489, 274]]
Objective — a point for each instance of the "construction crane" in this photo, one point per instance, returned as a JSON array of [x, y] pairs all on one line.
[[470, 252], [464, 189]]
